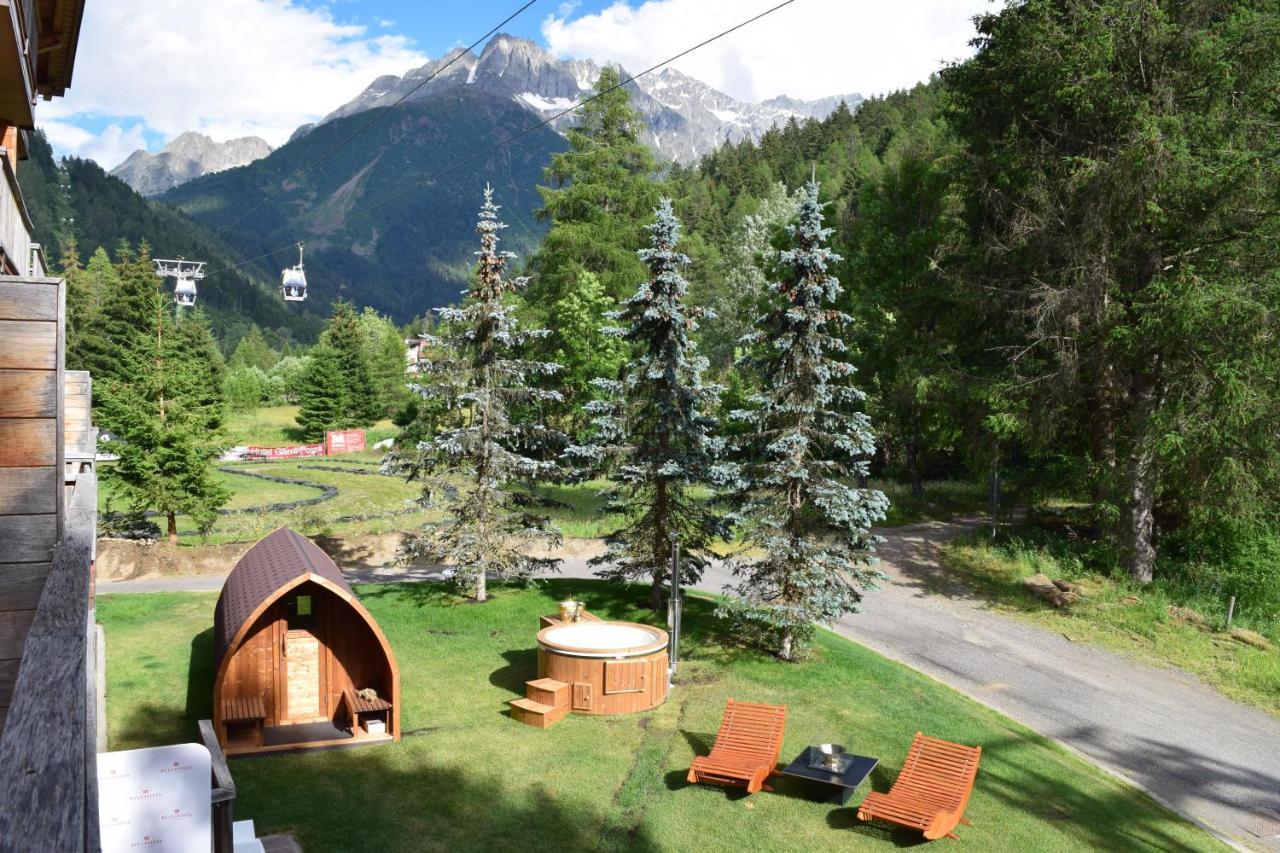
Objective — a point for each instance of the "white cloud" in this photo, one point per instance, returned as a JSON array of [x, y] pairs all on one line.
[[232, 68], [810, 49]]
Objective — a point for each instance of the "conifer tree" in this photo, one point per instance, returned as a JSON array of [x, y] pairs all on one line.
[[126, 318], [794, 500], [492, 523], [656, 428], [321, 394], [599, 196], [164, 406], [253, 351], [345, 335]]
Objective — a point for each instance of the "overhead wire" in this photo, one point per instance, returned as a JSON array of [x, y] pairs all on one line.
[[530, 129], [371, 120]]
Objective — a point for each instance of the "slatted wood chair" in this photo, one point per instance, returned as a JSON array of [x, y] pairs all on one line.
[[931, 792], [747, 747]]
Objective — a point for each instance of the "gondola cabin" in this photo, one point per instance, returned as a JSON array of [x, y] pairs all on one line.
[[184, 292], [300, 663]]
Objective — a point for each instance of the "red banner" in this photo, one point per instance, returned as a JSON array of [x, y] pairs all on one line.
[[344, 441], [293, 452]]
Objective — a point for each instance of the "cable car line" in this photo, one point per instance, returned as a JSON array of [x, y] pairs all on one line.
[[562, 113], [526, 131], [365, 126]]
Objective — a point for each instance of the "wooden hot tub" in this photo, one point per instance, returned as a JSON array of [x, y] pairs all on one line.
[[611, 667]]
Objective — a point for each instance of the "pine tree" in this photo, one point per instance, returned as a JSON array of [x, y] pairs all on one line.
[[656, 428], [794, 500], [346, 337], [321, 394], [165, 407], [599, 196], [121, 326], [252, 351], [492, 523]]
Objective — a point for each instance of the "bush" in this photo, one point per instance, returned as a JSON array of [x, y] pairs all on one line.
[[1226, 558], [245, 388]]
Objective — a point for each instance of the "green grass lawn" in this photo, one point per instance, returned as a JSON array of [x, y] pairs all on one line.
[[275, 426], [466, 777], [1118, 615]]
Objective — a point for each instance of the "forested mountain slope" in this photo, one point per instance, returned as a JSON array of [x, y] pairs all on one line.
[[406, 255], [76, 202]]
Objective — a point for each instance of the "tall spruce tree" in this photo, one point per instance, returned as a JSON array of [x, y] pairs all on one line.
[[492, 522], [655, 428], [164, 405], [599, 195], [346, 336], [794, 499], [321, 394]]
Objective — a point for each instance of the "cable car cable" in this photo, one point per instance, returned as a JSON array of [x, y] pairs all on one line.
[[503, 143], [562, 113], [365, 126]]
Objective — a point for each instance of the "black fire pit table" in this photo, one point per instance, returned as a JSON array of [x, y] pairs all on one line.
[[834, 787]]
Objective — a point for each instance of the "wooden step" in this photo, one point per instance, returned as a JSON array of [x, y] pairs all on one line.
[[548, 691], [536, 714]]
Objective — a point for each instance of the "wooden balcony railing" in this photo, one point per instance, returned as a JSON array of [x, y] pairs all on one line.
[[15, 224], [48, 778]]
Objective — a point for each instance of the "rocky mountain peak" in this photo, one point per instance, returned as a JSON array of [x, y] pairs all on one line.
[[187, 156], [684, 117]]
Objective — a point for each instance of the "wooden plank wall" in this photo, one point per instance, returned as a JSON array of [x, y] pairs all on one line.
[[31, 456]]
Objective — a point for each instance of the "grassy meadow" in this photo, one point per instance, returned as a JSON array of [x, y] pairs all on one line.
[[467, 777]]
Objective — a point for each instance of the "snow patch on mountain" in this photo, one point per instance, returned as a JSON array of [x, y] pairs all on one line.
[[684, 118]]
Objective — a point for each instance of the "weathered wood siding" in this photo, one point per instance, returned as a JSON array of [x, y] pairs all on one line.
[[31, 456]]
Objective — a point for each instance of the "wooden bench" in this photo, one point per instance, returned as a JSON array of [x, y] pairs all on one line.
[[357, 706], [747, 747], [932, 791], [244, 709]]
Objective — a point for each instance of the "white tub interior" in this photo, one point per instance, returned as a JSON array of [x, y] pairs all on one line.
[[598, 637]]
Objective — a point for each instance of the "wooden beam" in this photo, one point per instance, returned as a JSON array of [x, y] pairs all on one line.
[[21, 584], [28, 394], [28, 344], [8, 677], [28, 491], [48, 786], [14, 626], [28, 538], [20, 300], [28, 442]]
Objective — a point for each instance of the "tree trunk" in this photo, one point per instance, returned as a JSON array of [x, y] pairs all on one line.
[[1138, 518], [655, 592], [482, 587], [787, 649], [173, 527], [913, 458]]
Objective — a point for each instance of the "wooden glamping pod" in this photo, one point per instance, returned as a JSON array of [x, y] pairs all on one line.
[[297, 654]]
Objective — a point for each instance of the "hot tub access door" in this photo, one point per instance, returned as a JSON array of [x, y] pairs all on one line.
[[625, 676]]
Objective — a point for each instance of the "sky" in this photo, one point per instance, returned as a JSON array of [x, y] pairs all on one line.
[[147, 70]]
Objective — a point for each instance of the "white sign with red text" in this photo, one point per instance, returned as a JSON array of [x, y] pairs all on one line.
[[155, 799]]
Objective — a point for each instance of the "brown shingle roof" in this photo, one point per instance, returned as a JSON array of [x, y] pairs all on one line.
[[277, 561]]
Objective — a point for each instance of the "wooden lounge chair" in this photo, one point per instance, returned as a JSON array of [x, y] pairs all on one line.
[[746, 750], [932, 790]]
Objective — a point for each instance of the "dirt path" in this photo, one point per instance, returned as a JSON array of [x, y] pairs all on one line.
[[1209, 758]]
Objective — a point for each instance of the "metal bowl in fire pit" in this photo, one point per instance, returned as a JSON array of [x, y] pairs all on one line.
[[830, 757]]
